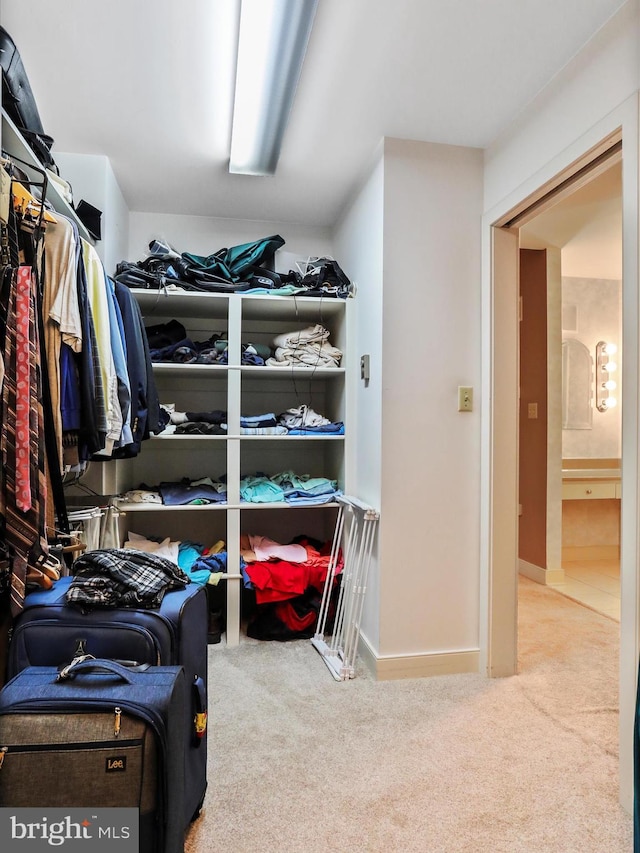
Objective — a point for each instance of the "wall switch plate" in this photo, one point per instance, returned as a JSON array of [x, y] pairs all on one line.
[[365, 368], [465, 398]]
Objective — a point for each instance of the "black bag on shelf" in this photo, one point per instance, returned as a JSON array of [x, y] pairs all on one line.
[[19, 103], [155, 274], [326, 278], [91, 218], [132, 275]]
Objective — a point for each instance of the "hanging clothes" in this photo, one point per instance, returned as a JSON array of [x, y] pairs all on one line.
[[92, 431], [99, 304], [60, 310], [145, 406]]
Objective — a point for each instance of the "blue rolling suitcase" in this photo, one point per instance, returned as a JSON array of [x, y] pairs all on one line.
[[49, 632], [103, 736]]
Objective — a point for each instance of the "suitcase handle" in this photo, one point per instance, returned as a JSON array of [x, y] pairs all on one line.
[[87, 663], [200, 705]]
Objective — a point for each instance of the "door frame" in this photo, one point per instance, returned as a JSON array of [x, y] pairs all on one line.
[[499, 460]]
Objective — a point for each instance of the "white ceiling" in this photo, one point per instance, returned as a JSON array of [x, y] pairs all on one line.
[[145, 83]]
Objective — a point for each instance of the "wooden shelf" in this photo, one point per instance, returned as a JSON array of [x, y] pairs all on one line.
[[125, 507], [196, 437], [14, 144]]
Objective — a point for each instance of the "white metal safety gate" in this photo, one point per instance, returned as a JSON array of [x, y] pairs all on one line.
[[354, 533]]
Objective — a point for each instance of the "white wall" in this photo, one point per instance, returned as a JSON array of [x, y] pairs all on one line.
[[92, 179], [601, 76], [430, 451], [429, 487], [592, 282], [596, 250], [358, 241], [411, 239], [116, 222]]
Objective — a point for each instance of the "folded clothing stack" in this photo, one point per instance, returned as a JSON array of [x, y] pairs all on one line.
[[302, 420], [308, 347]]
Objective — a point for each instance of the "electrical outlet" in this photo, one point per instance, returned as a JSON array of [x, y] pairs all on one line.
[[532, 411], [465, 398]]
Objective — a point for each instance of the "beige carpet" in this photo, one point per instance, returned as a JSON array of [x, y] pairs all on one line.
[[300, 763]]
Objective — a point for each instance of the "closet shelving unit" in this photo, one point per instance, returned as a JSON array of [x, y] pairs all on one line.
[[239, 390]]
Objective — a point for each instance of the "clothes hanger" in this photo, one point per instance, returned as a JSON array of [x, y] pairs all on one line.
[[75, 544], [26, 204], [85, 514]]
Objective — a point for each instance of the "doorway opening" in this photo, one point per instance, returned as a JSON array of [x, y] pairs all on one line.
[[500, 418], [570, 436], [503, 380]]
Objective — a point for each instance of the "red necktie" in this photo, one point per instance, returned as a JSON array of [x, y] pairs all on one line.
[[23, 385], [23, 461]]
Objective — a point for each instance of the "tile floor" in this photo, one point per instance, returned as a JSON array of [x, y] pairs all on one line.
[[594, 583]]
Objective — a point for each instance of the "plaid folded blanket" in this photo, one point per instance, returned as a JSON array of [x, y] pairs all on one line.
[[123, 577]]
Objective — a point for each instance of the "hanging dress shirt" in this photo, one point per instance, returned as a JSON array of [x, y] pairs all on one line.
[[98, 301], [60, 308]]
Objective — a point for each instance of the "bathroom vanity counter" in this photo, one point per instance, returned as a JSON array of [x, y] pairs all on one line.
[[590, 479]]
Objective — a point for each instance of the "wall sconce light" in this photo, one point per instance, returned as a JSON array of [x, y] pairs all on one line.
[[605, 384]]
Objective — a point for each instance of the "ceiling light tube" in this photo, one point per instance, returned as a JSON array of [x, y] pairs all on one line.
[[272, 44]]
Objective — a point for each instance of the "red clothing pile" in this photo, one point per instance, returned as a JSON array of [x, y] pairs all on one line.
[[280, 580]]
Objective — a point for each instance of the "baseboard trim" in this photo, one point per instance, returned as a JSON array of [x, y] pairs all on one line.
[[583, 553], [391, 667], [540, 575]]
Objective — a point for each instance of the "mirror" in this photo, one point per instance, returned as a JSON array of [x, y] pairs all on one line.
[[577, 372]]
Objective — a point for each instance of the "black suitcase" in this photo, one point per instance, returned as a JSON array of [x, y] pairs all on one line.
[[105, 736], [19, 102], [49, 632]]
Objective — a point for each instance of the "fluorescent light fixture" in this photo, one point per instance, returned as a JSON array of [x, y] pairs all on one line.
[[223, 25], [273, 40]]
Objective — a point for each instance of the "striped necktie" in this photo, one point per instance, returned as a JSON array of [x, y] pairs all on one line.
[[23, 496]]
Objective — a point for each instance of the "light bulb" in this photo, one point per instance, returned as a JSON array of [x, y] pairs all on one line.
[[610, 349], [610, 366], [610, 403], [610, 385]]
